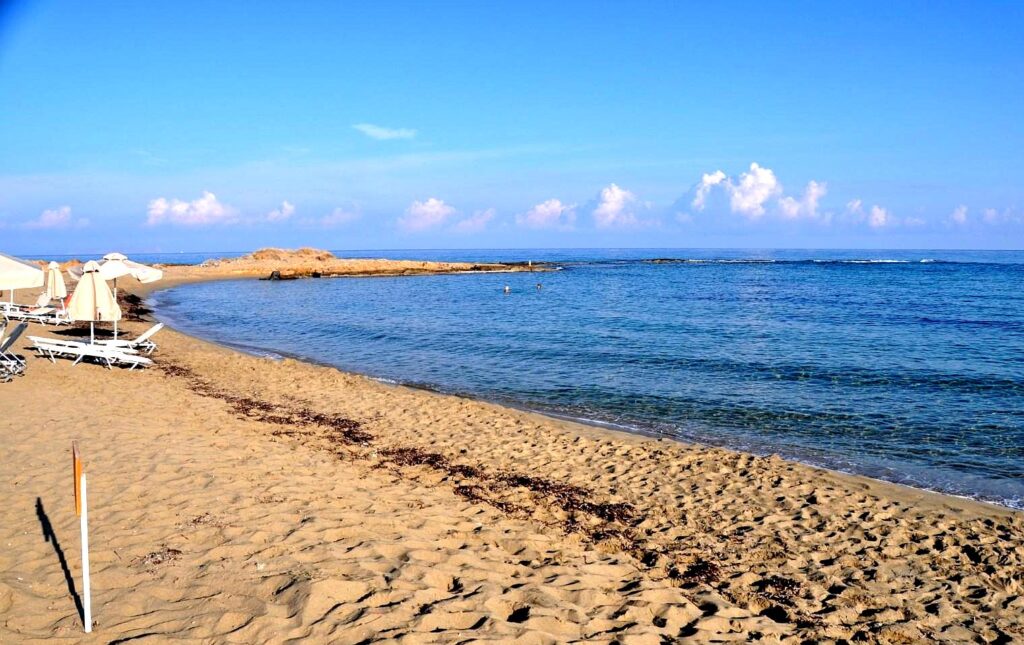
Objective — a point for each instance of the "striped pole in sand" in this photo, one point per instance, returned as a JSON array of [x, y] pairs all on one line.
[[82, 509]]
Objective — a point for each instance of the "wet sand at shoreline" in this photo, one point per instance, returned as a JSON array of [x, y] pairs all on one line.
[[242, 499]]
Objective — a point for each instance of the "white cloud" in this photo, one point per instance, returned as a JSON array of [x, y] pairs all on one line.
[[615, 208], [1006, 216], [707, 182], [806, 206], [959, 215], [476, 222], [878, 217], [752, 191], [204, 211], [754, 188], [384, 134], [53, 218], [338, 217], [421, 216], [549, 214], [282, 213]]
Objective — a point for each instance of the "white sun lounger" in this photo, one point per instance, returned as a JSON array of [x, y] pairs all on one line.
[[41, 315], [53, 348], [142, 343], [11, 364]]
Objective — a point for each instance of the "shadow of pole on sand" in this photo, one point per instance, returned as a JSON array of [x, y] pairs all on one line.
[[51, 537]]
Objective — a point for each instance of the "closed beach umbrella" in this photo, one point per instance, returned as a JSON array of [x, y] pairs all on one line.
[[55, 287], [18, 274], [117, 265], [92, 299]]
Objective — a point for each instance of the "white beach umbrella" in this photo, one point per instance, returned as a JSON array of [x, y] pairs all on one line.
[[117, 265], [18, 274], [92, 299], [55, 287]]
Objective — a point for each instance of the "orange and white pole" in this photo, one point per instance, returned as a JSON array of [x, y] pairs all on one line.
[[82, 508]]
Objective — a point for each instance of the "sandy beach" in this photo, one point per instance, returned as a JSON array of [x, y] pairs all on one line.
[[241, 499]]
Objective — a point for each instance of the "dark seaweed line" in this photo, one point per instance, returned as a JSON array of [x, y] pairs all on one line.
[[615, 524], [566, 496], [338, 427]]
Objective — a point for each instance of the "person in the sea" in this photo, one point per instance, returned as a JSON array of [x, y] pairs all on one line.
[[539, 286], [508, 289]]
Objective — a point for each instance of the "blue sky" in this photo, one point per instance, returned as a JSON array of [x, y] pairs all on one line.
[[219, 126]]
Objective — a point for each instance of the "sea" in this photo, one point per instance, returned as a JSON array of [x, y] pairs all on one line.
[[906, 366]]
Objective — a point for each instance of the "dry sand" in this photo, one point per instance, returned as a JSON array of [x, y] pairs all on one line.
[[241, 499]]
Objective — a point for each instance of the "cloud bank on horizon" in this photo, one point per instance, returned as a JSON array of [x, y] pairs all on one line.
[[754, 197], [758, 193], [753, 200]]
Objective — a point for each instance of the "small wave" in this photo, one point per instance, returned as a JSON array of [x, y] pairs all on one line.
[[874, 262], [711, 261], [774, 261], [865, 261]]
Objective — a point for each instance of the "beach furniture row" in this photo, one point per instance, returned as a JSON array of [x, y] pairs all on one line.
[[108, 355], [121, 352], [92, 301]]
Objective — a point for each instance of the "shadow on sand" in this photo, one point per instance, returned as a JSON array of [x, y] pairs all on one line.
[[51, 537], [81, 330]]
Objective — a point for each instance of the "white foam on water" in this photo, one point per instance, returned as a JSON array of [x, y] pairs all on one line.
[[875, 261]]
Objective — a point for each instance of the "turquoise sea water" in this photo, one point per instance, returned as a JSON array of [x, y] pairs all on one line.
[[902, 365]]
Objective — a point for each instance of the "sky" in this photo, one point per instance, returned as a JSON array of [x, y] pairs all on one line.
[[198, 126]]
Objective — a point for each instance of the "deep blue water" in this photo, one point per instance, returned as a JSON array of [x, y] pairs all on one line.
[[902, 365]]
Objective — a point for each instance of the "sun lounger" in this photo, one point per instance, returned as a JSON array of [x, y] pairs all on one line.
[[7, 343], [53, 348], [11, 364], [17, 306], [41, 315], [142, 343]]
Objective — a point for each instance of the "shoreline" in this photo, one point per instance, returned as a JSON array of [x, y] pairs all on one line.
[[899, 489], [239, 498]]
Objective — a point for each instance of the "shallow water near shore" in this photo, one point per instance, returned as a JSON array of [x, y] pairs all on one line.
[[902, 365]]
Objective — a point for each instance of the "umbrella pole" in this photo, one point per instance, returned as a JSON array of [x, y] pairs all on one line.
[[116, 303], [92, 332]]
